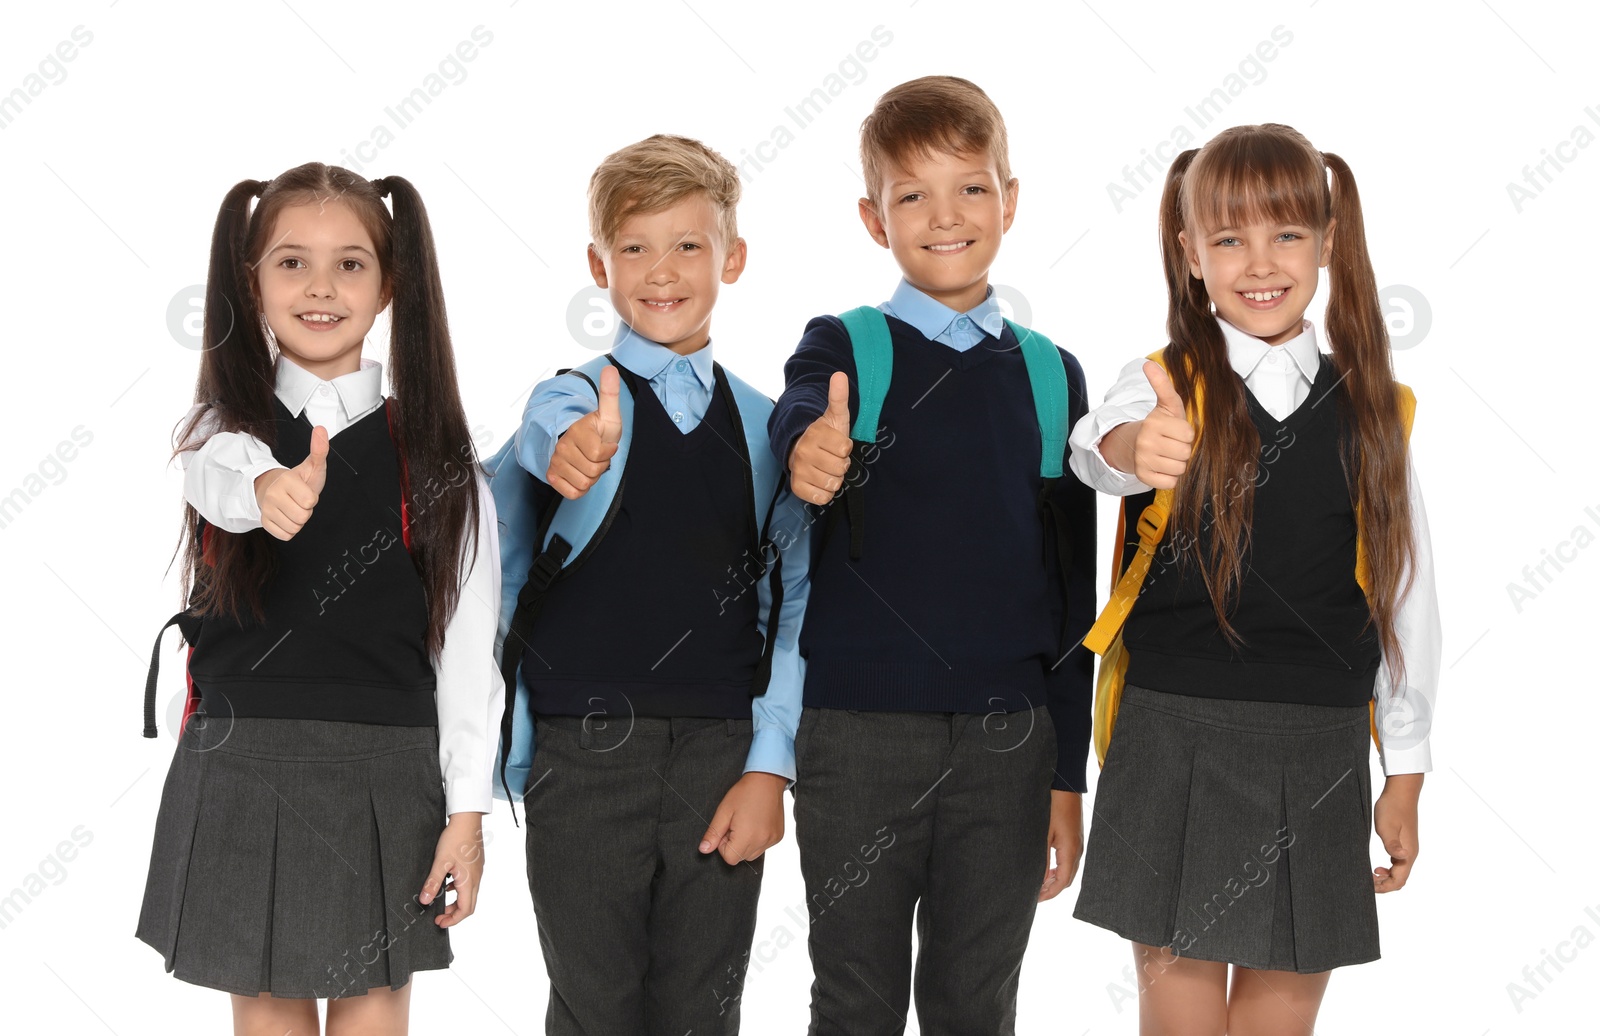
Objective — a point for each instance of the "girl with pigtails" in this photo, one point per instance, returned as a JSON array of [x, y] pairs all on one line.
[[1274, 604], [328, 788]]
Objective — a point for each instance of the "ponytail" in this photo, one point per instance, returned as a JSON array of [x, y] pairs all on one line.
[[430, 424], [1375, 459], [1212, 498]]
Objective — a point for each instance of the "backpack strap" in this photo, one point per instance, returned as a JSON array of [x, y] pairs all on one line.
[[1047, 377], [550, 562], [874, 355]]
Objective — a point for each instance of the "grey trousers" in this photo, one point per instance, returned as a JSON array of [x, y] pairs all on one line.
[[641, 933], [939, 819]]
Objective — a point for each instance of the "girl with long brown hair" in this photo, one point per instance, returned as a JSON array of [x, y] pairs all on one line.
[[341, 564], [1288, 606]]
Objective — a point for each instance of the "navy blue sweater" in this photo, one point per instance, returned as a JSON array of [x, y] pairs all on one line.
[[956, 604]]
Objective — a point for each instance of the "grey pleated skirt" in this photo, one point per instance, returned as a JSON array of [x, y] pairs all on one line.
[[1235, 831], [289, 855]]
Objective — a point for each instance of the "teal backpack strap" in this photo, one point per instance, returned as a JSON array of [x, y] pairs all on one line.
[[874, 355], [1048, 379]]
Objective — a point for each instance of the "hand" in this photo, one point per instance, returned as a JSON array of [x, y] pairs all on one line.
[[458, 855], [584, 451], [287, 496], [1156, 450], [1394, 818], [1066, 838], [821, 456], [749, 820]]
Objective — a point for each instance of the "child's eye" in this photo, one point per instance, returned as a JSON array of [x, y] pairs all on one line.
[[351, 265], [913, 196], [975, 189], [631, 248], [690, 245], [1289, 235], [1227, 242], [291, 259]]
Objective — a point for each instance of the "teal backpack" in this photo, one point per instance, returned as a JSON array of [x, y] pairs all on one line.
[[874, 357]]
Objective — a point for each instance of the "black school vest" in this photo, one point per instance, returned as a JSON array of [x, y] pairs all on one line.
[[1305, 623], [660, 620], [346, 616]]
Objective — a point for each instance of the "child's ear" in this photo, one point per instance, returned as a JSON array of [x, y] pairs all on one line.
[[1011, 205], [733, 265], [871, 220], [1190, 254], [1327, 244], [597, 268]]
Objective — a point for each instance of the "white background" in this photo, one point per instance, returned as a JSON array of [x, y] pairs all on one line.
[[112, 175]]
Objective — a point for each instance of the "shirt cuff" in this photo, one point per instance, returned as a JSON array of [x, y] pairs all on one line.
[[468, 794], [771, 751]]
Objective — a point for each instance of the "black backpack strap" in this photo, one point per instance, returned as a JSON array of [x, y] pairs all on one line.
[[189, 625], [548, 565], [849, 503]]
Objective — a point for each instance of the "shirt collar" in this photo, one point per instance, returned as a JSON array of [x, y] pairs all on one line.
[[647, 359], [359, 391], [1246, 351], [933, 318]]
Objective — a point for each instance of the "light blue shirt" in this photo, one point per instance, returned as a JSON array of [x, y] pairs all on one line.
[[684, 384], [960, 331]]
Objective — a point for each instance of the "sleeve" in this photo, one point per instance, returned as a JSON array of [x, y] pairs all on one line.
[[1405, 713], [469, 692], [823, 349], [776, 713], [219, 478], [552, 408], [1071, 681], [1131, 399]]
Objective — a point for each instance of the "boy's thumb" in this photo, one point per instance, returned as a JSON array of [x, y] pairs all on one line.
[[1166, 396], [610, 410], [838, 412]]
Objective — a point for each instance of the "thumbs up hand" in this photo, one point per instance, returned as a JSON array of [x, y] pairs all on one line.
[[821, 456], [287, 496], [1163, 441], [584, 451]]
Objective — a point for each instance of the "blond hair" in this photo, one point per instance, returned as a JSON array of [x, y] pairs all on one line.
[[655, 174], [926, 116]]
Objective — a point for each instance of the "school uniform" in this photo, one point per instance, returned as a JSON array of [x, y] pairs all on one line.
[[1233, 815], [307, 794], [641, 669], [945, 695]]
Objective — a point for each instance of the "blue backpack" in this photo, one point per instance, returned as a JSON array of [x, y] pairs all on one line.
[[542, 544]]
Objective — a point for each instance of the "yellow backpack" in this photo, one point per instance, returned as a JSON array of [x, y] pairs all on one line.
[[1105, 637]]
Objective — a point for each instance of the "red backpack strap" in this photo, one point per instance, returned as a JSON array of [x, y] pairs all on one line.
[[405, 479]]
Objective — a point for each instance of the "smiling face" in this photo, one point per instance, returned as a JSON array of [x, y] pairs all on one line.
[[1261, 276], [320, 286], [663, 270], [943, 216]]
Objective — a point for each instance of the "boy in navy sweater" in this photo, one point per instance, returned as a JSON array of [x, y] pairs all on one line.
[[942, 747]]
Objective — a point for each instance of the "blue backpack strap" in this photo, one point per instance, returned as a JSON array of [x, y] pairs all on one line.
[[565, 534], [874, 355], [1048, 379]]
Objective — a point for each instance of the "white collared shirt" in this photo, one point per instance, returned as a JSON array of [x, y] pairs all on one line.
[[219, 481], [1280, 378]]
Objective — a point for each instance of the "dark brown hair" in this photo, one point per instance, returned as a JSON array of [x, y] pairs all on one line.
[[934, 114], [1270, 173], [237, 377]]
